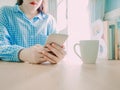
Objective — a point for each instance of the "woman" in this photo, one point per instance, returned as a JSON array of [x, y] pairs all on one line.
[[23, 32]]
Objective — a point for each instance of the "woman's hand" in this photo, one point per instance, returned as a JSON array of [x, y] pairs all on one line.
[[54, 53], [32, 55]]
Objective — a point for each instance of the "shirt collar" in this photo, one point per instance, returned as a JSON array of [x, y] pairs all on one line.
[[40, 16], [16, 9]]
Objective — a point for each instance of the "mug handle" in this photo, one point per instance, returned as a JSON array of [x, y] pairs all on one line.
[[75, 45]]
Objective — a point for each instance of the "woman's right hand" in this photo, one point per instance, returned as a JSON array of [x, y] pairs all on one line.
[[32, 55]]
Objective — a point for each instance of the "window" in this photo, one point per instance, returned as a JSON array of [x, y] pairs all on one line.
[[62, 15], [77, 21], [78, 24]]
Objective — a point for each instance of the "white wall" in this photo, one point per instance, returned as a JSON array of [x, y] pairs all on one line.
[[7, 2]]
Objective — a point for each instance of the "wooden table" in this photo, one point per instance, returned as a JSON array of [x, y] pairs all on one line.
[[104, 75]]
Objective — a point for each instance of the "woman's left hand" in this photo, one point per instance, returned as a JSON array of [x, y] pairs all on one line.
[[54, 53]]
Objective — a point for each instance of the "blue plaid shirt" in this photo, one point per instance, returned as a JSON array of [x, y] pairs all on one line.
[[18, 32]]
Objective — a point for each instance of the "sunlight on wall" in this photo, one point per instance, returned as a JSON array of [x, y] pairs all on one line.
[[61, 15], [7, 2], [78, 24]]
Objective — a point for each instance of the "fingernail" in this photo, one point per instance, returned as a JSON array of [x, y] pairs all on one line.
[[53, 44]]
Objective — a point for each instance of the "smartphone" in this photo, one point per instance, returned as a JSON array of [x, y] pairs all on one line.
[[57, 38]]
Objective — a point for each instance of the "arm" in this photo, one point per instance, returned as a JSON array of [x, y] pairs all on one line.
[[11, 52], [8, 50]]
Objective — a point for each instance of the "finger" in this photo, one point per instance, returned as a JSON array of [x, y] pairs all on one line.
[[50, 57], [38, 58], [55, 51], [41, 60], [59, 48], [46, 49], [60, 54]]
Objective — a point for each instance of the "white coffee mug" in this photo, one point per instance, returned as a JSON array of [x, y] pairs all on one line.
[[88, 50]]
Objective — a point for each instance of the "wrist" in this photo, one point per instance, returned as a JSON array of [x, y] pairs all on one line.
[[20, 55]]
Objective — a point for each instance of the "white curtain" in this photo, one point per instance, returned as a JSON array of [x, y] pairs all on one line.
[[96, 8], [96, 14], [52, 8]]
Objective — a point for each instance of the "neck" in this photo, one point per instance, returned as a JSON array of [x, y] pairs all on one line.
[[30, 13]]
